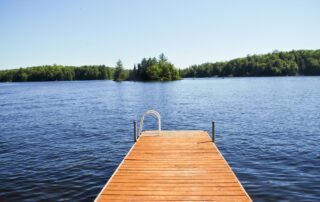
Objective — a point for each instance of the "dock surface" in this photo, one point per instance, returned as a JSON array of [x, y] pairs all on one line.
[[173, 166]]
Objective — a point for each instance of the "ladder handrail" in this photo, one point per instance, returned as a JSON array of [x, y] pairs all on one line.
[[153, 113]]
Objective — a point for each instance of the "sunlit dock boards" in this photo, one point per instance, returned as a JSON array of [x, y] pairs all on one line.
[[175, 166]]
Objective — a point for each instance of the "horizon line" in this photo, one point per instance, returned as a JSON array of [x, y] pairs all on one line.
[[127, 68]]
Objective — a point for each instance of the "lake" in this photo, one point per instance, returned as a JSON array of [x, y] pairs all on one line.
[[63, 140]]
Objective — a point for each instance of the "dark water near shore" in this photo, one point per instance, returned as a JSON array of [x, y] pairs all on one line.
[[63, 140]]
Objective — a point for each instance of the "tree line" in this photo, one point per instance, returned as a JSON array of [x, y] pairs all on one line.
[[151, 69], [292, 63], [57, 73], [301, 62]]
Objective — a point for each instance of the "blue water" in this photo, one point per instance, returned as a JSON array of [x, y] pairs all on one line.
[[63, 140]]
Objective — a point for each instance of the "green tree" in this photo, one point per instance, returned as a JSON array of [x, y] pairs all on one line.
[[119, 74], [154, 69]]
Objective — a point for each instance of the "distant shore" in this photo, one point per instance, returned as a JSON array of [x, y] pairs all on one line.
[[293, 63]]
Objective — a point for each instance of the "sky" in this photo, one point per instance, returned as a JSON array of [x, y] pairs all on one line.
[[83, 32]]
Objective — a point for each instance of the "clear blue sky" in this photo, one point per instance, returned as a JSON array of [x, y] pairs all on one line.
[[73, 32]]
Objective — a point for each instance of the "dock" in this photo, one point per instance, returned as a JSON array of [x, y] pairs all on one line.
[[173, 166]]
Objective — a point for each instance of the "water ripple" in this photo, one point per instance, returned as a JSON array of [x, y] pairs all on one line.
[[61, 141]]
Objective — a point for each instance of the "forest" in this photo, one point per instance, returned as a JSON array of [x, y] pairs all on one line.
[[292, 63], [151, 69], [57, 73]]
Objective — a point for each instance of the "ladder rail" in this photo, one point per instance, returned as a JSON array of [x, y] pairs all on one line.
[[153, 113]]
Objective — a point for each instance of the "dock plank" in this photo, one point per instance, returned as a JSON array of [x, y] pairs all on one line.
[[174, 166]]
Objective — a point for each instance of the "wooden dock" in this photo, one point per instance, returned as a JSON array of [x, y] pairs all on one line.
[[173, 166]]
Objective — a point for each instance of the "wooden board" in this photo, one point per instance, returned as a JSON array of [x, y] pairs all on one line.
[[173, 166]]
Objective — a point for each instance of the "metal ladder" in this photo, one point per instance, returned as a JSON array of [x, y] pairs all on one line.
[[151, 112], [156, 114]]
